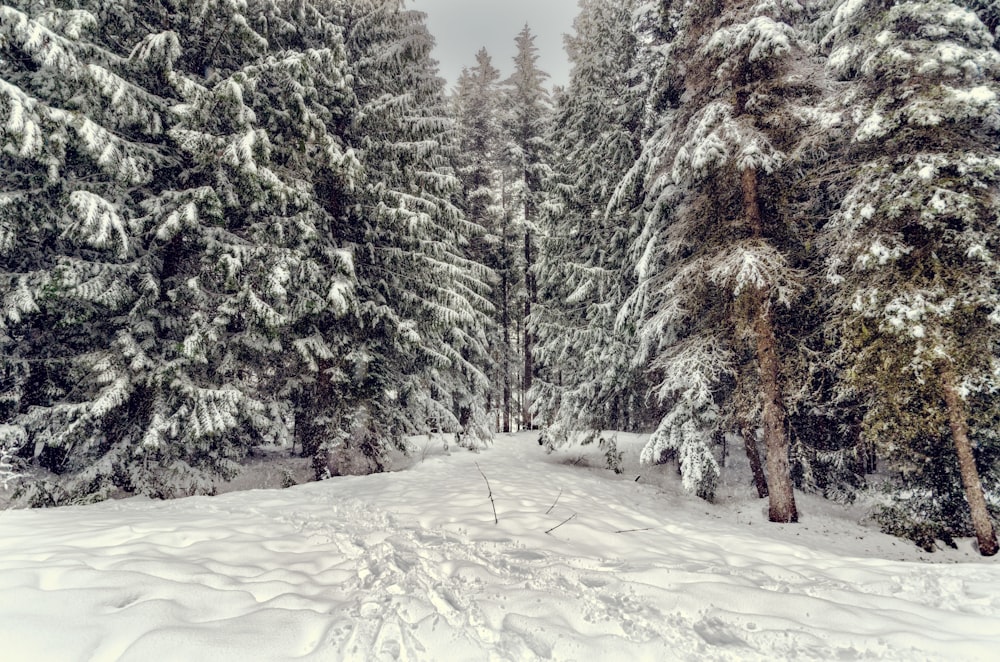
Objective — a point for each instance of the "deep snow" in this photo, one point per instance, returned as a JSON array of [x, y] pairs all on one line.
[[410, 566]]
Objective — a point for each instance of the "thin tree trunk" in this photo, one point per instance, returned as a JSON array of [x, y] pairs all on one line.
[[779, 476], [506, 354], [753, 455], [529, 298], [985, 535]]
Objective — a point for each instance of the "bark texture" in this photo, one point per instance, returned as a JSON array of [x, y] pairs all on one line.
[[753, 456], [985, 534], [779, 476], [780, 490]]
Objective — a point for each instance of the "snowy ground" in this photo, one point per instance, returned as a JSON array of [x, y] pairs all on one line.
[[410, 566]]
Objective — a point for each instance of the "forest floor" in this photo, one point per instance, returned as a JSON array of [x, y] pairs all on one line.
[[583, 564]]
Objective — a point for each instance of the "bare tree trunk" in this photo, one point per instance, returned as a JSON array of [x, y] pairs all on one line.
[[779, 475], [505, 322], [985, 535], [753, 455], [530, 292]]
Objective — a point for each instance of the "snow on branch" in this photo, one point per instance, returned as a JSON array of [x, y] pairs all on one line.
[[161, 48], [22, 121], [715, 138], [691, 369], [45, 47], [12, 439], [97, 222], [18, 301], [756, 265], [690, 372], [761, 38]]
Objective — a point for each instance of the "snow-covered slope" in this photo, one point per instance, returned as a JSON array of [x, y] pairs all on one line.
[[411, 566]]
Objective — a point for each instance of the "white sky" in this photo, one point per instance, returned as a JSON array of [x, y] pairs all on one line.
[[462, 27]]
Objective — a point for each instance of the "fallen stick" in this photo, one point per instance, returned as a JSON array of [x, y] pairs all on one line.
[[554, 502], [561, 523], [634, 530], [496, 520]]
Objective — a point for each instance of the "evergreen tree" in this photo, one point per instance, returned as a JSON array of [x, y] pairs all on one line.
[[911, 253], [716, 268], [476, 107], [166, 322], [528, 110], [586, 381], [425, 302]]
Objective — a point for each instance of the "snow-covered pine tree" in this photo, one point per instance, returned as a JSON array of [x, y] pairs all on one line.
[[281, 274], [526, 155], [585, 378], [912, 253], [424, 302], [476, 109], [223, 244], [714, 263], [81, 143]]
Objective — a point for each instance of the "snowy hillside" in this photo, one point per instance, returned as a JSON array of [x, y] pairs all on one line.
[[411, 566]]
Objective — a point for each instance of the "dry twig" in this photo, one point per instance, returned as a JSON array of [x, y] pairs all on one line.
[[554, 502], [561, 523], [496, 520], [634, 530]]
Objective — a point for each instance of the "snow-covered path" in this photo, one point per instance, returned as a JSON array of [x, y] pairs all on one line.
[[410, 566]]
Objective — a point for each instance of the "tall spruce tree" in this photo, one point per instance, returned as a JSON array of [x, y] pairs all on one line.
[[174, 343], [586, 381], [476, 108], [424, 300], [715, 268], [528, 110], [911, 253]]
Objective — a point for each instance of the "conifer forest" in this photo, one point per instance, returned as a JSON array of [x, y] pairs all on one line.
[[764, 228]]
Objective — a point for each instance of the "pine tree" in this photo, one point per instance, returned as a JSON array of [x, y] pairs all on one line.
[[476, 108], [528, 110], [166, 344], [203, 232], [715, 268], [911, 252], [425, 302], [585, 378], [81, 144]]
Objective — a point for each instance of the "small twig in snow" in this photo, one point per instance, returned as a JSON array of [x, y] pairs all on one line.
[[496, 520], [561, 523], [634, 530], [554, 502]]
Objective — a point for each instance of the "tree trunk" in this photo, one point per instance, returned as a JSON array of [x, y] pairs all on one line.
[[505, 321], [779, 474], [530, 292], [985, 535], [753, 455]]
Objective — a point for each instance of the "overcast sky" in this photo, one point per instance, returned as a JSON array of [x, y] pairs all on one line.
[[462, 27]]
